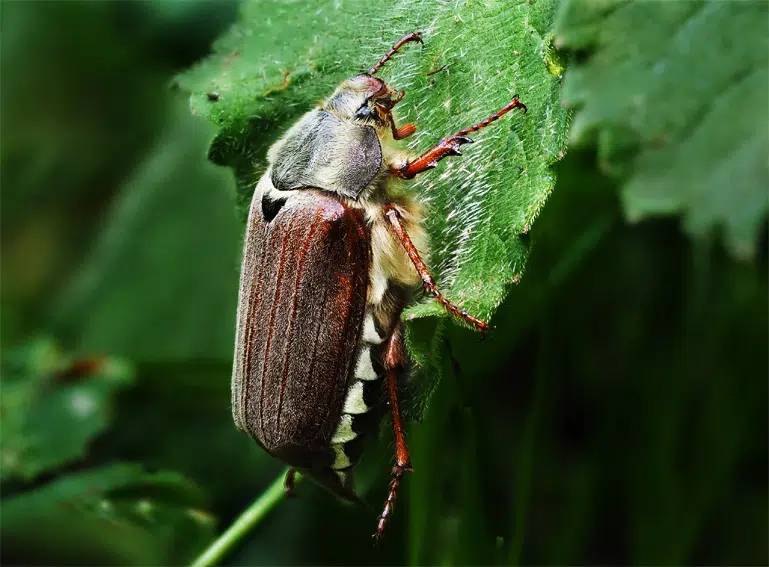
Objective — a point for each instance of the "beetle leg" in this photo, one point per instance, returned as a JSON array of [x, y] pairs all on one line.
[[290, 482], [404, 131], [413, 36], [394, 361], [450, 146], [393, 217]]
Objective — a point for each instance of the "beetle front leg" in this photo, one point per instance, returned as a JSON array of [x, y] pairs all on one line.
[[393, 217], [413, 36], [394, 362], [450, 146]]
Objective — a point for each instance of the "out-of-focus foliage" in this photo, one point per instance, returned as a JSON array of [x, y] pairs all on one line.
[[151, 269], [676, 102], [617, 415], [110, 214], [52, 407], [118, 513]]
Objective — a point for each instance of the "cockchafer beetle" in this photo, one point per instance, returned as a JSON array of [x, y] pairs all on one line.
[[331, 254]]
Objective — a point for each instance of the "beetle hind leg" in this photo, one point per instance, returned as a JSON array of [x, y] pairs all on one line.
[[394, 362]]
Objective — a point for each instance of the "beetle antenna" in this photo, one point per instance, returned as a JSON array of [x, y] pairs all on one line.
[[515, 103], [413, 36]]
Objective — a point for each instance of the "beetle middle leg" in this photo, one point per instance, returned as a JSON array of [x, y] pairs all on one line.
[[289, 483], [450, 146], [394, 362], [393, 217]]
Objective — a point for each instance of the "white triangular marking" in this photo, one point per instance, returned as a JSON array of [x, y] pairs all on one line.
[[341, 461], [344, 432], [369, 331], [354, 403], [365, 370]]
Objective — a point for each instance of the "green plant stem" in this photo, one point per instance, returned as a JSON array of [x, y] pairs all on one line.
[[245, 522]]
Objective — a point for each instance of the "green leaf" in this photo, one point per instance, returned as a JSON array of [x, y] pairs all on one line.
[[282, 58], [117, 514], [676, 92], [52, 407]]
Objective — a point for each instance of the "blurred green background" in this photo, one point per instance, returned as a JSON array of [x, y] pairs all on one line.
[[617, 416]]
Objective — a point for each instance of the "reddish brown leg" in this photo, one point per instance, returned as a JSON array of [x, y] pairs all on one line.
[[404, 131], [450, 146], [394, 360], [414, 36], [290, 482], [393, 217], [407, 129]]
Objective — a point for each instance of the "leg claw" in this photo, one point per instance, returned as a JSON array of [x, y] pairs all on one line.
[[456, 141], [453, 143]]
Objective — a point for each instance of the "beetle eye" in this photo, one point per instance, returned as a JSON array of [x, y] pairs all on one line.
[[363, 112]]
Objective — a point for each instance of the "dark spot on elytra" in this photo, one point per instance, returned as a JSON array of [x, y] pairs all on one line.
[[271, 207]]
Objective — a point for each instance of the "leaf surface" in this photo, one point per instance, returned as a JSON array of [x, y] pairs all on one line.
[[284, 57]]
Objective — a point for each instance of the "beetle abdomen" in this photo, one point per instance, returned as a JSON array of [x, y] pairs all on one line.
[[363, 395], [303, 292]]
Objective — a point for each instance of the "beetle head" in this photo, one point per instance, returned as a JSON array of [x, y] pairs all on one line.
[[366, 100]]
